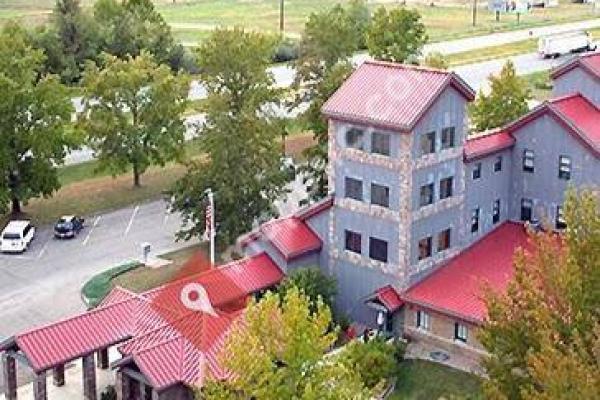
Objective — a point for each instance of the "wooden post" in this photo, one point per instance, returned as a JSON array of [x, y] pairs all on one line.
[[89, 377], [9, 365], [58, 375], [39, 387]]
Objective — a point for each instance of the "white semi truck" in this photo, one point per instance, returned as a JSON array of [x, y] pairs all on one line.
[[564, 43]]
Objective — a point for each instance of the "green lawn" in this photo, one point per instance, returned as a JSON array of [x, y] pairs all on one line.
[[540, 85], [425, 380], [197, 17]]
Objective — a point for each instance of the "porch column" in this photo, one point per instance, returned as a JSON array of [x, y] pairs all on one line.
[[122, 386], [39, 387], [9, 365], [58, 375], [103, 358], [89, 377]]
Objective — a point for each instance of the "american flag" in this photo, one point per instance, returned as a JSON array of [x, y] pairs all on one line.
[[207, 220]]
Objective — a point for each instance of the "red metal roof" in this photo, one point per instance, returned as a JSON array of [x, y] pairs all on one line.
[[151, 319], [187, 353], [389, 297], [457, 288], [391, 95], [590, 62], [574, 112], [487, 143], [291, 236], [582, 114]]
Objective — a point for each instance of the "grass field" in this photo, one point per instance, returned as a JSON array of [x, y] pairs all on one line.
[[424, 380], [192, 19]]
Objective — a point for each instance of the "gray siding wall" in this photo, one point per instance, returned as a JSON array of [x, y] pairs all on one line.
[[481, 193], [578, 80], [262, 245], [320, 225], [549, 140], [355, 283], [448, 111]]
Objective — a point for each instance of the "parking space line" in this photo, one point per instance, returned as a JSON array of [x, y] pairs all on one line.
[[43, 250], [166, 218], [135, 211], [91, 230]]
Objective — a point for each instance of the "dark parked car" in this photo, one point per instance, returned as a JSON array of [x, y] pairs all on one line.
[[68, 226]]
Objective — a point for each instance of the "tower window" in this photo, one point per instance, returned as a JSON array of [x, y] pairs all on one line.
[[355, 138], [380, 143], [448, 137], [378, 249], [428, 143], [426, 197], [353, 241], [444, 240], [353, 188], [476, 174], [425, 248], [446, 185], [380, 195]]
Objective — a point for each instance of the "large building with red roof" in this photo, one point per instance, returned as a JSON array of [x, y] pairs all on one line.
[[424, 216]]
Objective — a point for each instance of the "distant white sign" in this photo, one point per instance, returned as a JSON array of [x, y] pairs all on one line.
[[509, 6]]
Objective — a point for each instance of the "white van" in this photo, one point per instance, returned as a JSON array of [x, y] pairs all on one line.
[[564, 43], [16, 236]]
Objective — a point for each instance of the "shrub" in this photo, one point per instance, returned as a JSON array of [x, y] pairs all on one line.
[[313, 283], [374, 361], [436, 60], [287, 50]]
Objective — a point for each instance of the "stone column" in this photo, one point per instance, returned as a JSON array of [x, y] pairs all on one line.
[[9, 365], [89, 377], [122, 386], [58, 375], [39, 387], [103, 359]]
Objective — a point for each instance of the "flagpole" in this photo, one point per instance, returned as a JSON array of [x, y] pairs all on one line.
[[211, 202]]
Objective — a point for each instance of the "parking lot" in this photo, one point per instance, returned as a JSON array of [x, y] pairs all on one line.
[[42, 284]]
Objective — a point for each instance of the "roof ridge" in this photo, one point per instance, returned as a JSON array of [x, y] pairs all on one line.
[[392, 64]]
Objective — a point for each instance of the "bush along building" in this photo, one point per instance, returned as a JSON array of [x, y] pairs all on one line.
[[422, 216]]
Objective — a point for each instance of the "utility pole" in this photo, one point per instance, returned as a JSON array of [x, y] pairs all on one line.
[[281, 16], [474, 12]]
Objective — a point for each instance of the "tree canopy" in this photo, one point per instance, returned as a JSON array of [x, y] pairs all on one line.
[[506, 101], [396, 35], [543, 335], [134, 113], [35, 113], [329, 39], [241, 138], [313, 283], [277, 352]]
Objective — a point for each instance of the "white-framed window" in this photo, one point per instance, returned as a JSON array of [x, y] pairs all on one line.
[[498, 164], [560, 222], [496, 211], [475, 220], [564, 167], [461, 332], [423, 320], [528, 160]]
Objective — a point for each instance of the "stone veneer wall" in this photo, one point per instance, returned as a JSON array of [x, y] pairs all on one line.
[[441, 334], [400, 164]]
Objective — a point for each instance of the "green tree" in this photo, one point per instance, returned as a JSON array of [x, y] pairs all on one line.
[[329, 39], [542, 335], [134, 113], [396, 35], [313, 283], [360, 16], [35, 113], [277, 352], [129, 27], [506, 102], [240, 138], [68, 40]]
